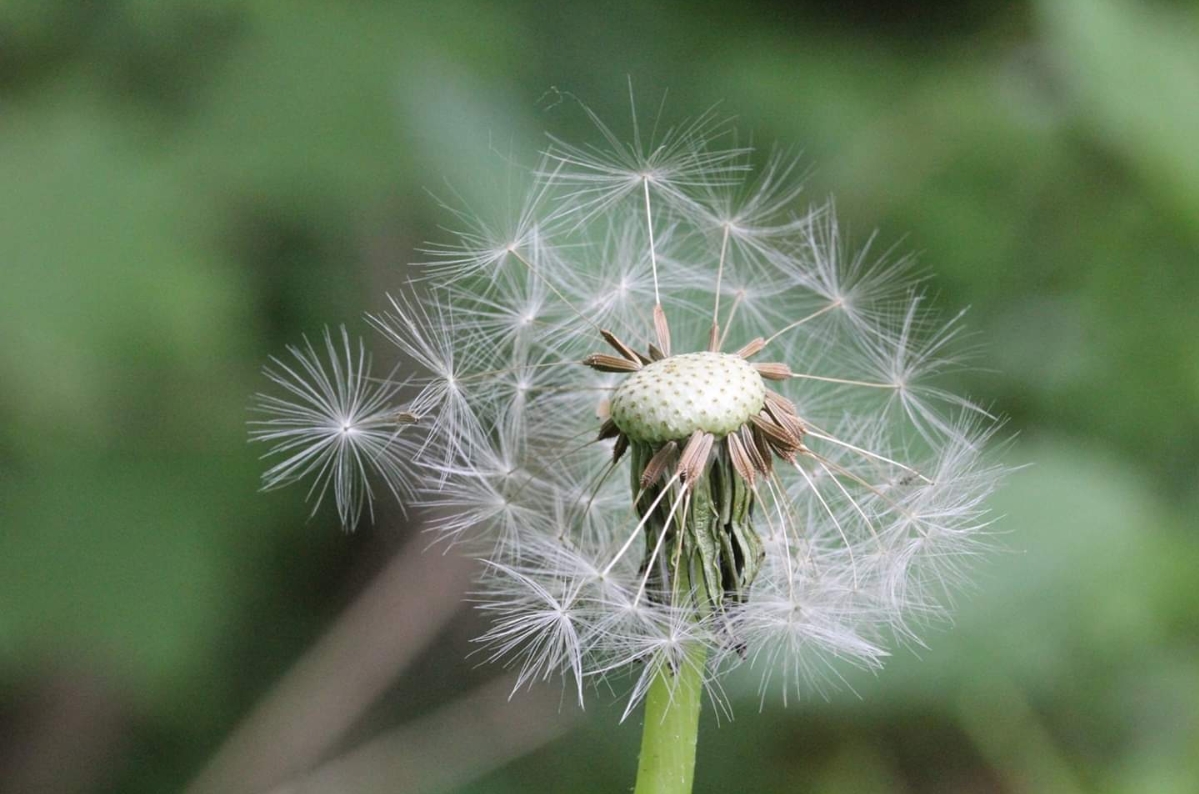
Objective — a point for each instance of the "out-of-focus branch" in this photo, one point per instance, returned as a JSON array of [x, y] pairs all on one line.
[[322, 696], [458, 743], [997, 716], [66, 735]]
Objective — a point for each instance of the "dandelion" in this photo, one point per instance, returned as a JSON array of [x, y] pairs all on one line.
[[686, 428]]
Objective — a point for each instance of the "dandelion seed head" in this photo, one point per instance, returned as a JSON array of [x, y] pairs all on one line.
[[677, 414]]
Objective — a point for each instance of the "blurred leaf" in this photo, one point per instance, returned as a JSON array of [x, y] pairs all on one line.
[[1133, 69], [1083, 542], [108, 283], [125, 563]]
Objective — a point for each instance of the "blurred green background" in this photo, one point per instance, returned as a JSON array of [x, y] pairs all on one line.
[[187, 187]]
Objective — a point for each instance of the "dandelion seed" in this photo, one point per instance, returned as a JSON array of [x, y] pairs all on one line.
[[335, 425]]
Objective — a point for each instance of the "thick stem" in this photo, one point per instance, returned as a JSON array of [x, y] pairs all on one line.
[[672, 706]]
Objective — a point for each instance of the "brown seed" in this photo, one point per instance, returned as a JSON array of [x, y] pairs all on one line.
[[761, 450], [662, 329], [752, 348], [620, 447], [623, 349], [606, 363], [608, 430], [776, 400], [773, 371], [694, 459], [658, 464], [740, 458], [780, 440]]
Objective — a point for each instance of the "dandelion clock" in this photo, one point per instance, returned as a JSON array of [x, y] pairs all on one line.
[[683, 423]]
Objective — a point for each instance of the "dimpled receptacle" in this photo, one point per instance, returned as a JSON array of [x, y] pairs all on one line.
[[672, 398]]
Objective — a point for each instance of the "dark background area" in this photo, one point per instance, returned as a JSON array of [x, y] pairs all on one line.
[[187, 187]]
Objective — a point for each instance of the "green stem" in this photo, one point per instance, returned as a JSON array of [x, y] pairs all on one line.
[[668, 739]]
